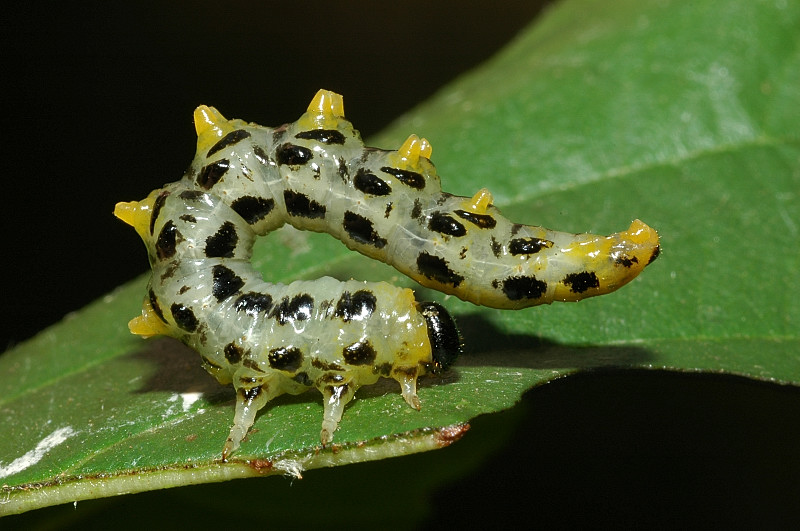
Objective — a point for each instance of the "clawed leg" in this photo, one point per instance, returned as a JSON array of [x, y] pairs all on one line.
[[408, 388], [335, 398], [248, 402]]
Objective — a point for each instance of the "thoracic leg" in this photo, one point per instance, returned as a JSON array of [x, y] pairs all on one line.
[[408, 388], [335, 398], [248, 402]]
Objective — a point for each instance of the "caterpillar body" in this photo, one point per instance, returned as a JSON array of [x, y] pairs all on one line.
[[316, 174]]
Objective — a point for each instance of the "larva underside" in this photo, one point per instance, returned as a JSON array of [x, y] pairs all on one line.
[[316, 174]]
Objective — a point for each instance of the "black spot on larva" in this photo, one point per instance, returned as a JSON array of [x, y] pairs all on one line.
[[158, 204], [528, 245], [496, 247], [323, 306], [325, 366], [210, 363], [483, 221], [222, 243], [261, 155], [388, 210], [580, 282], [253, 303], [301, 307], [169, 272], [655, 254], [384, 369], [167, 240], [303, 379], [279, 133], [233, 353], [292, 155], [626, 261], [356, 306], [188, 218], [287, 359], [298, 308], [370, 184], [515, 228], [228, 140], [343, 172], [251, 364], [250, 394], [183, 290], [184, 317], [253, 209], [409, 178], [443, 197], [462, 253], [517, 288], [325, 136], [443, 334], [408, 371], [361, 230], [211, 174], [225, 283], [359, 353], [301, 205], [416, 212], [191, 195], [436, 268], [156, 307], [444, 224]]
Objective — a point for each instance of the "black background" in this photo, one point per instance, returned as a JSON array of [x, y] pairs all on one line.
[[98, 101], [97, 106]]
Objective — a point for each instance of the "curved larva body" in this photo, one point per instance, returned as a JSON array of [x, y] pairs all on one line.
[[316, 174]]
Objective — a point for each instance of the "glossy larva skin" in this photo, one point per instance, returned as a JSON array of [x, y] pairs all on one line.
[[389, 205], [316, 174]]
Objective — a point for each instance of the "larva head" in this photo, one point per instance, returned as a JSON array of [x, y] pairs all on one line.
[[443, 334]]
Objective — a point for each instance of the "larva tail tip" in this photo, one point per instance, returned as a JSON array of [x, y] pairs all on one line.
[[644, 237]]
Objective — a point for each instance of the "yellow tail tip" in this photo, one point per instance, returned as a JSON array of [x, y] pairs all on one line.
[[643, 237]]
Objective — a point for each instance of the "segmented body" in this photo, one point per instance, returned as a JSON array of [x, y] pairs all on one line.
[[316, 174]]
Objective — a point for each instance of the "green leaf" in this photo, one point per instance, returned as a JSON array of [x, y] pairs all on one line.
[[686, 115]]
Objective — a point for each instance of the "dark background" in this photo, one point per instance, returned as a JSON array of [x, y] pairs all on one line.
[[98, 100], [97, 106]]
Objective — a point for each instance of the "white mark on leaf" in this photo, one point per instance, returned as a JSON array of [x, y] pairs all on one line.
[[32, 457]]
